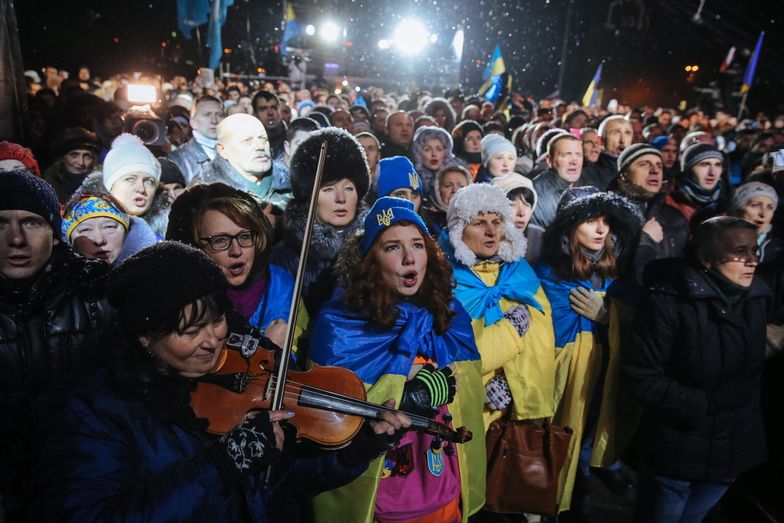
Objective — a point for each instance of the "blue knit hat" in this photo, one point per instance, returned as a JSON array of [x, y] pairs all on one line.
[[396, 173], [92, 207], [21, 190], [660, 141], [386, 212]]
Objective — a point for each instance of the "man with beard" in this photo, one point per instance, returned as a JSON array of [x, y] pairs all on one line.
[[399, 133], [266, 107], [616, 134], [244, 162], [76, 150], [206, 113]]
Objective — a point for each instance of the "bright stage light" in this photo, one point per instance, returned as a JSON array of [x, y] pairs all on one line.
[[383, 43], [410, 36], [457, 44], [330, 31], [310, 30]]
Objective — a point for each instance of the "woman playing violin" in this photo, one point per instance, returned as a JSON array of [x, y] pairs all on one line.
[[399, 329], [128, 446]]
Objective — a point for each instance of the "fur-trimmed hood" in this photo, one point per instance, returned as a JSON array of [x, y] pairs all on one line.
[[348, 258], [625, 223], [157, 216], [470, 201]]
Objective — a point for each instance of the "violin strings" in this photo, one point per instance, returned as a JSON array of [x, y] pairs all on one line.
[[334, 395]]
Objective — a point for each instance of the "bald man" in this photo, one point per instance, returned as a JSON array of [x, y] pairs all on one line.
[[243, 161]]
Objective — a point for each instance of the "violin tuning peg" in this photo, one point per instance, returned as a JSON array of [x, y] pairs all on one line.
[[435, 445], [450, 449], [447, 417]]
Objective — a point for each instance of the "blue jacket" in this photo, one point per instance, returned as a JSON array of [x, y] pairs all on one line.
[[109, 459]]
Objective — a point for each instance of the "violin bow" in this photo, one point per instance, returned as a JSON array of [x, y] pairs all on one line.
[[283, 368]]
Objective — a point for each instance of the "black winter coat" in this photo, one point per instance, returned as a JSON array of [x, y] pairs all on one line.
[[695, 365], [51, 335]]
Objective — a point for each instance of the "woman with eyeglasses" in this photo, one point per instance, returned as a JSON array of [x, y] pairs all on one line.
[[231, 228]]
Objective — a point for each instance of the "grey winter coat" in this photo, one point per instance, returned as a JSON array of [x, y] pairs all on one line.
[[549, 188], [274, 189], [190, 158]]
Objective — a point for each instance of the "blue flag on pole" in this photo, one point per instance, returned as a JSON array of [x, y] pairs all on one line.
[[191, 14], [290, 31], [749, 76], [214, 32]]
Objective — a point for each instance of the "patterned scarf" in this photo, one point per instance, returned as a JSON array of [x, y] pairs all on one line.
[[696, 195]]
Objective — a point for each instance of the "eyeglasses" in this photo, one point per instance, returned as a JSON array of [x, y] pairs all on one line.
[[222, 242]]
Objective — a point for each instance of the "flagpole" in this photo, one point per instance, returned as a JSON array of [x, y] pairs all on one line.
[[742, 105]]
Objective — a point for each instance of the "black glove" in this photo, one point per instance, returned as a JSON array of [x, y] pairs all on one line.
[[367, 446], [429, 389], [250, 446]]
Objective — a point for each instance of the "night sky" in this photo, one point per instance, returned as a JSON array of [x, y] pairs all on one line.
[[644, 57]]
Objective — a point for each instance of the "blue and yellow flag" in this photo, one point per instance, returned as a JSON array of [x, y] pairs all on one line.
[[497, 81], [749, 76], [291, 30], [217, 18], [591, 94], [191, 14]]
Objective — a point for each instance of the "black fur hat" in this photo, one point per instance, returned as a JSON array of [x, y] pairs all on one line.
[[345, 159], [580, 204]]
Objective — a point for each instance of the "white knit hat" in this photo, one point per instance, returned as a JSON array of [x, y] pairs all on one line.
[[470, 201], [129, 155], [494, 143]]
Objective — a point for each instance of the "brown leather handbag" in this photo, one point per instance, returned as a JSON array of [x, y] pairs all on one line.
[[523, 464]]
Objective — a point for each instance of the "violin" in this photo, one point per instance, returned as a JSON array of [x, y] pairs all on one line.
[[329, 402]]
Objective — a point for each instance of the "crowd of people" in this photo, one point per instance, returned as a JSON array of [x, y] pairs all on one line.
[[619, 273]]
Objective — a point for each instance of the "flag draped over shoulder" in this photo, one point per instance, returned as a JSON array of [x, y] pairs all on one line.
[[591, 94], [748, 78], [291, 29]]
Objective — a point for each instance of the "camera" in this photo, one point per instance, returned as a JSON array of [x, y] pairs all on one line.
[[140, 120], [145, 124]]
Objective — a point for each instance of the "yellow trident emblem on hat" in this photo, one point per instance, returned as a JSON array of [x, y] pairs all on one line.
[[385, 217], [413, 181]]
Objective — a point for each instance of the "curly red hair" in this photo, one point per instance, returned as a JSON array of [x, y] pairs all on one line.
[[435, 293]]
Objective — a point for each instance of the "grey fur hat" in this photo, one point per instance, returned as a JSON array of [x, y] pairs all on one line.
[[470, 201]]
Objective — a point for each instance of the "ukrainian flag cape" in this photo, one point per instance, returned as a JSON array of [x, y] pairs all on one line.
[[579, 363], [487, 290], [382, 359]]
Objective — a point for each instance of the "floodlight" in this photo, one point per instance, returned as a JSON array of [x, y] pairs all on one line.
[[329, 31], [310, 30], [142, 94], [410, 36]]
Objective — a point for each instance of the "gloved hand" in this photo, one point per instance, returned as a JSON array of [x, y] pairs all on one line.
[[589, 304], [429, 389], [251, 445], [497, 393], [375, 438], [520, 319]]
